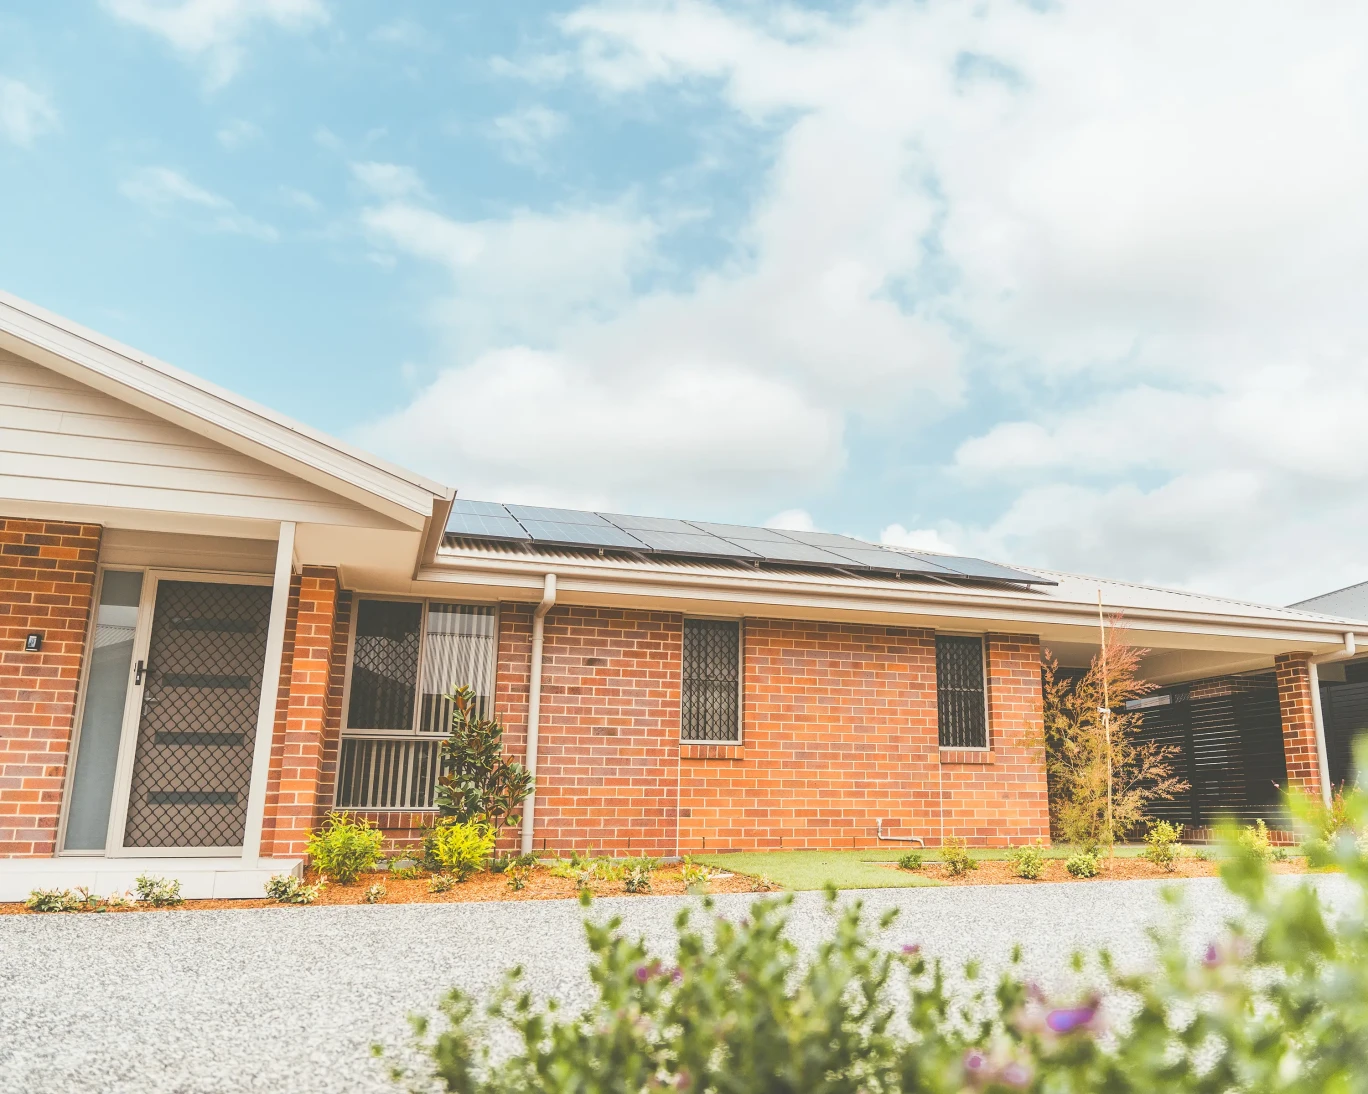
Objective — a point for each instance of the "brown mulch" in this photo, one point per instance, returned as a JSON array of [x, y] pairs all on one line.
[[1120, 869], [542, 885]]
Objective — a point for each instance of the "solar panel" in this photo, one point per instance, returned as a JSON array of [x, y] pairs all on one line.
[[740, 531], [695, 544], [483, 518], [557, 516], [792, 551], [581, 535], [976, 567], [825, 539], [877, 559], [650, 524]]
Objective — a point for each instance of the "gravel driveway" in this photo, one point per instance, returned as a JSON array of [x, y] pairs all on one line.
[[288, 1000]]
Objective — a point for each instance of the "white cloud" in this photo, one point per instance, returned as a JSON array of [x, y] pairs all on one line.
[[300, 199], [916, 539], [523, 134], [24, 113], [236, 133], [167, 192], [402, 32], [389, 180], [213, 31], [794, 520]]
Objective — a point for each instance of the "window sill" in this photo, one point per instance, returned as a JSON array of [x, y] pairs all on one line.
[[697, 750], [966, 756]]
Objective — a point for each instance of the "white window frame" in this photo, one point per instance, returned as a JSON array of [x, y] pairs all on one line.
[[740, 677], [987, 746]]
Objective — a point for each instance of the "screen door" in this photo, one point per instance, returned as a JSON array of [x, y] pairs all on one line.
[[200, 680]]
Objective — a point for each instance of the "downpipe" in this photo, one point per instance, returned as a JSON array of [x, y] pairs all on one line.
[[897, 839], [1317, 716], [548, 600]]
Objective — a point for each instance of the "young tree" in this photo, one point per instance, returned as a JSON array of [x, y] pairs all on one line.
[[1079, 753], [477, 783]]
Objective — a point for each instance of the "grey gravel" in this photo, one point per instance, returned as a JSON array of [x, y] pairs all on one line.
[[289, 1000]]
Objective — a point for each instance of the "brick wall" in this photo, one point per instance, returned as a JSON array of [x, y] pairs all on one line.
[[1298, 721], [47, 582]]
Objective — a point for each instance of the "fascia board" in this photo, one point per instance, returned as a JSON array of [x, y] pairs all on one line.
[[214, 412]]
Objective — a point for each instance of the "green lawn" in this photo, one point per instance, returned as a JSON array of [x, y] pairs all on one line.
[[853, 869]]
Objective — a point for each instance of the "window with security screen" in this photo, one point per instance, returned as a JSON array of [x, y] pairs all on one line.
[[961, 704], [710, 699]]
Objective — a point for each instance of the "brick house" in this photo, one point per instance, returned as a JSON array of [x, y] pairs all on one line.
[[217, 624]]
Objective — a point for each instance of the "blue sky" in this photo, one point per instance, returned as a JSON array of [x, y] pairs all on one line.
[[1050, 283]]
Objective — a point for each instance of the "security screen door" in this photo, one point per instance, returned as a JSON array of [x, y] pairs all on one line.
[[199, 675]]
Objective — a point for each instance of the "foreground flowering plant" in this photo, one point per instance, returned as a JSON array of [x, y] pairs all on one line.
[[1279, 1003]]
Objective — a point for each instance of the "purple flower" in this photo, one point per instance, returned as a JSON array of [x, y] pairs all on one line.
[[910, 948], [1070, 1019], [975, 1062], [1015, 1074], [645, 972], [676, 974], [1212, 957]]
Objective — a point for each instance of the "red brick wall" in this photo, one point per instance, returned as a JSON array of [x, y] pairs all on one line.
[[1298, 721], [609, 735], [47, 582], [299, 790]]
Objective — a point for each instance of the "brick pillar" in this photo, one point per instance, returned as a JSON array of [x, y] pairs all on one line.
[[47, 581], [1016, 732], [1298, 721], [298, 753]]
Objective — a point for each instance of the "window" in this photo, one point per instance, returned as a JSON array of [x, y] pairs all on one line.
[[406, 657], [962, 706], [710, 698]]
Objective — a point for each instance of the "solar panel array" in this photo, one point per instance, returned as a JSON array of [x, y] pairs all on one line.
[[666, 536]]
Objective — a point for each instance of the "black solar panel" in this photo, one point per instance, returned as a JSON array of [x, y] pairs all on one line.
[[573, 527]]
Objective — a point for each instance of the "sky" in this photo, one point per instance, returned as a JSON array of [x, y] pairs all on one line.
[[1073, 285]]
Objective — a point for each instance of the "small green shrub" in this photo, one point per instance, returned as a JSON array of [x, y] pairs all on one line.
[[159, 892], [694, 875], [1161, 845], [913, 860], [1083, 864], [1252, 840], [374, 893], [519, 874], [762, 884], [345, 847], [638, 880], [411, 872], [462, 848], [1028, 861], [956, 857], [51, 900], [1201, 854], [441, 883], [646, 862], [288, 889]]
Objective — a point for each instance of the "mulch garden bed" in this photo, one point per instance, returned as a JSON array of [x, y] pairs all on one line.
[[1120, 869]]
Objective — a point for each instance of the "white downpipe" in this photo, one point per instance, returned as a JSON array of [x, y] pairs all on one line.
[[1322, 760], [534, 707]]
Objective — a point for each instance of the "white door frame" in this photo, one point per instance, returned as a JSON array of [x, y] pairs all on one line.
[[128, 742]]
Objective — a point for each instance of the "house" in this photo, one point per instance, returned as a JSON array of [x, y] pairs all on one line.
[[217, 624]]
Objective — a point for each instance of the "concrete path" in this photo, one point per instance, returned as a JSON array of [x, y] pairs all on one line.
[[288, 1001]]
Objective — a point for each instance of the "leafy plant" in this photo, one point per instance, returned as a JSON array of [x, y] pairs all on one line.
[[1083, 864], [159, 892], [499, 863], [956, 857], [1077, 753], [1161, 845], [913, 860], [462, 847], [1201, 854], [519, 874], [344, 847], [374, 893], [288, 889], [410, 872], [441, 883], [477, 783], [1028, 861], [638, 880], [51, 900], [759, 883], [1253, 840], [694, 875], [1277, 1003]]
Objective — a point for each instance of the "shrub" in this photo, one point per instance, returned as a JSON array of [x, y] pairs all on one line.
[[51, 900], [761, 884], [374, 893], [462, 847], [477, 783], [411, 872], [288, 889], [694, 875], [441, 883], [638, 880], [956, 858], [159, 892], [1278, 1002], [344, 847], [910, 861], [519, 874], [1161, 845], [1201, 854], [1252, 840], [1083, 864], [1028, 861]]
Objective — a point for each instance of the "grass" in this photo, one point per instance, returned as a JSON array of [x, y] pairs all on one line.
[[803, 870]]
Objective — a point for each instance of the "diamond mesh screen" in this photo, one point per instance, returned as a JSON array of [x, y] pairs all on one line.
[[200, 699], [959, 692], [384, 675], [710, 699]]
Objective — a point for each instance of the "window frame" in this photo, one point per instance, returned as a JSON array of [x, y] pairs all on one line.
[[413, 732], [987, 746], [740, 622]]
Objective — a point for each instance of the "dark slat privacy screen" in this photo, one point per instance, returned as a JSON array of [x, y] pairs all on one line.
[[710, 700], [960, 703]]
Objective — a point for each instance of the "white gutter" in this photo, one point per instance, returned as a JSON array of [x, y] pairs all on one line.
[[534, 706], [1322, 760]]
